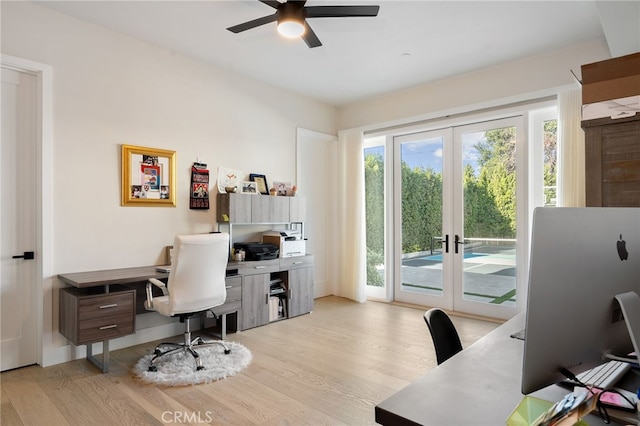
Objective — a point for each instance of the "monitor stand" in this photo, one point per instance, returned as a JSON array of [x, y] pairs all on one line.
[[630, 305]]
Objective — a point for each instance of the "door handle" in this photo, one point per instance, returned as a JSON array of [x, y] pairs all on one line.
[[27, 255], [446, 243], [457, 241]]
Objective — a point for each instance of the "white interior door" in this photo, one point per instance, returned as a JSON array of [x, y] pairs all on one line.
[[18, 231], [315, 177]]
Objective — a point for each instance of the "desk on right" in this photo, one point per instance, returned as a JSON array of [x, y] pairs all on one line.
[[478, 386]]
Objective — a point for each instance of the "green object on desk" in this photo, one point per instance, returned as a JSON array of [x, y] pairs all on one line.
[[528, 411]]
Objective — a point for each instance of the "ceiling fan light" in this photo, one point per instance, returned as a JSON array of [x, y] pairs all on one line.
[[290, 28]]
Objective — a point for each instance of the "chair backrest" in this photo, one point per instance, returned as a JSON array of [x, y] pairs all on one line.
[[444, 334], [198, 272]]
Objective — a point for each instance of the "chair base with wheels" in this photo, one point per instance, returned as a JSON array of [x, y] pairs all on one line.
[[189, 346]]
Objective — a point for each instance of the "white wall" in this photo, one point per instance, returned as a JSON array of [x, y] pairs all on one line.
[[110, 89], [514, 81], [317, 178]]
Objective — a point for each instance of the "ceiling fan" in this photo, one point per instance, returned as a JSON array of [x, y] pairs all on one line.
[[292, 18]]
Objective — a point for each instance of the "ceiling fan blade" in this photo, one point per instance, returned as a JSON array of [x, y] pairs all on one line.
[[310, 37], [273, 3], [252, 24], [340, 11]]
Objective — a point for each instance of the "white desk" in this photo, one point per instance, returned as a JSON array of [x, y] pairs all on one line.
[[478, 386]]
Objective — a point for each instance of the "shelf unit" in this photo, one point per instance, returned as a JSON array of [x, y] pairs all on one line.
[[293, 274]]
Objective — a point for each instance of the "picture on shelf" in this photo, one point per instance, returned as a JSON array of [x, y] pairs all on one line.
[[249, 187], [284, 189], [261, 181], [228, 178]]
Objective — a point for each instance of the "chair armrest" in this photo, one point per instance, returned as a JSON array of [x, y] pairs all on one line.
[[148, 305], [162, 286]]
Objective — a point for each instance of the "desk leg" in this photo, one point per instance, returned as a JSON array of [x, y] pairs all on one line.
[[104, 364], [222, 319]]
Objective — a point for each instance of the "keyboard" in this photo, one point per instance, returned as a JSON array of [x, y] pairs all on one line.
[[604, 376]]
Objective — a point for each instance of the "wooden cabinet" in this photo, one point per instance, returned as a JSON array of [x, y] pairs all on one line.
[[267, 209], [259, 279], [295, 274], [88, 318], [300, 291], [255, 303], [612, 162], [246, 209], [234, 208], [300, 283]]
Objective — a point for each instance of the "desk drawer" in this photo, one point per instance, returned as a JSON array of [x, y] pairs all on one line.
[[86, 318], [98, 329], [106, 305], [257, 267], [287, 263], [233, 302]]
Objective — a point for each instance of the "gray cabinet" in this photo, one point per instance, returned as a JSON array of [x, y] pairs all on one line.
[[256, 278], [241, 209], [233, 208], [255, 304], [267, 209], [300, 291], [294, 273]]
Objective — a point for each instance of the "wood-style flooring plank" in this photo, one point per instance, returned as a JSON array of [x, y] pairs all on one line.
[[330, 367]]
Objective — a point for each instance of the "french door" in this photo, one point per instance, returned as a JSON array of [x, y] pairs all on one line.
[[456, 210]]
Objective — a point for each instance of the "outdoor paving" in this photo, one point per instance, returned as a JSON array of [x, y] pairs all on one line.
[[488, 277]]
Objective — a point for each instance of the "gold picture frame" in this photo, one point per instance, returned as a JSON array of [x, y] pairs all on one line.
[[148, 177]]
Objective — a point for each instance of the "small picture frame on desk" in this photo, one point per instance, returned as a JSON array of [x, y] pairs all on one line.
[[249, 187], [168, 253], [261, 181]]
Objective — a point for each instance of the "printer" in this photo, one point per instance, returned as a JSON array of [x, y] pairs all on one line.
[[258, 251], [289, 241]]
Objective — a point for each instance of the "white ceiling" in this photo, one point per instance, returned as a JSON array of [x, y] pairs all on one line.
[[407, 44]]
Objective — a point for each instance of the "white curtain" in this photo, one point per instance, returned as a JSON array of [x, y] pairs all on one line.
[[352, 247], [571, 168]]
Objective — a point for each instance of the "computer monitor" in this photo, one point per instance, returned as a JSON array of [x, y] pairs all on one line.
[[581, 258]]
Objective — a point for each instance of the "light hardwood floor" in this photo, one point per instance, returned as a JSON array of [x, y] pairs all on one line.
[[329, 367]]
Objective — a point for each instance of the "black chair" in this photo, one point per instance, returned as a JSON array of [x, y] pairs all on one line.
[[445, 337]]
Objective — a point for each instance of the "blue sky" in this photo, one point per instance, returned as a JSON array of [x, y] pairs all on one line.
[[427, 153]]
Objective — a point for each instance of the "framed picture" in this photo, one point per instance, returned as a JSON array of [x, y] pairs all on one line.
[[249, 187], [148, 177], [284, 189], [261, 180]]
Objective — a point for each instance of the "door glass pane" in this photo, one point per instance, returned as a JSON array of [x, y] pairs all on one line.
[[489, 200], [374, 211], [421, 210]]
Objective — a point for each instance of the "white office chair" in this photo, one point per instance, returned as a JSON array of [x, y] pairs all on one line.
[[196, 284]]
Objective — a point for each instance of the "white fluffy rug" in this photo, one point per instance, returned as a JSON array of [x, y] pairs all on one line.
[[179, 369]]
